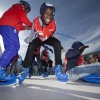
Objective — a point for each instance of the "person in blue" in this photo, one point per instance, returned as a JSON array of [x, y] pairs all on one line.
[[11, 23], [74, 69]]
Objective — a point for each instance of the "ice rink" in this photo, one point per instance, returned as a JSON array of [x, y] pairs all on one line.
[[38, 88]]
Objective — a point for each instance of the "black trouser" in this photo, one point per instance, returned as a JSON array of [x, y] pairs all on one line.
[[52, 41], [33, 62], [44, 66]]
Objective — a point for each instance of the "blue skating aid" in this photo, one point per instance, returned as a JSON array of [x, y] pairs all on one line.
[[7, 82], [95, 78], [8, 77], [23, 75]]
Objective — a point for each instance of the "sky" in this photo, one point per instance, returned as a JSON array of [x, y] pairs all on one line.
[[76, 18]]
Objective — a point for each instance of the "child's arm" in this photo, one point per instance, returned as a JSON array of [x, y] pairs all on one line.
[[31, 35]]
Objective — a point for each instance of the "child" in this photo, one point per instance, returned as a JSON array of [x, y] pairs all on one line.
[[74, 69], [11, 23], [44, 62], [44, 27], [50, 62]]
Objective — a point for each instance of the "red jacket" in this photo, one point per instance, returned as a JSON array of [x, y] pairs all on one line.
[[15, 17], [47, 30]]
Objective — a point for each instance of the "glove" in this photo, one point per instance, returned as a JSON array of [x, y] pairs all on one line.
[[62, 47], [28, 40]]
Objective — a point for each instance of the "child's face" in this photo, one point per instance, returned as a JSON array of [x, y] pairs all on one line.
[[47, 16], [26, 9]]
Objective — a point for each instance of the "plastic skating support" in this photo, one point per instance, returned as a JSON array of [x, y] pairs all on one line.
[[95, 78]]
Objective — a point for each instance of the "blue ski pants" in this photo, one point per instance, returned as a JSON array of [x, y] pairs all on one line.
[[11, 44]]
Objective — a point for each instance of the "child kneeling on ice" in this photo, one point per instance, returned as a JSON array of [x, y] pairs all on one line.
[[73, 61]]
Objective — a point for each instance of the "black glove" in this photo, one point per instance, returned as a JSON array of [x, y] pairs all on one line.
[[62, 47]]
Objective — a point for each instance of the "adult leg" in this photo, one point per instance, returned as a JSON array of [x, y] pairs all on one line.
[[55, 43], [31, 67]]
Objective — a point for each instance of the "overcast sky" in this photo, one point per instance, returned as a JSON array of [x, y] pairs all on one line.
[[77, 18]]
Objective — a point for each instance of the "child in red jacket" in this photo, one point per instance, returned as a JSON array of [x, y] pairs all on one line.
[[11, 23], [44, 27]]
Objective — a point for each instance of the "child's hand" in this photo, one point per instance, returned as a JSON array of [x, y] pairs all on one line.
[[27, 27], [28, 40]]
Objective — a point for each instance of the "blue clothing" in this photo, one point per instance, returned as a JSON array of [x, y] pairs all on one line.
[[72, 58], [11, 44], [80, 71]]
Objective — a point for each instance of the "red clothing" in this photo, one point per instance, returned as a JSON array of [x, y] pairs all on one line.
[[15, 17], [44, 57], [15, 59], [46, 31], [37, 51], [80, 60], [78, 63]]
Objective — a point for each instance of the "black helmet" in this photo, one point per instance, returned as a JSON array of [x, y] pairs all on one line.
[[76, 45], [46, 5], [79, 46], [25, 3]]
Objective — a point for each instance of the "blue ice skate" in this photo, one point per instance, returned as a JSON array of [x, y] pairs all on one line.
[[23, 75], [38, 74], [2, 71], [45, 74], [63, 77], [58, 70], [6, 76], [60, 75]]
